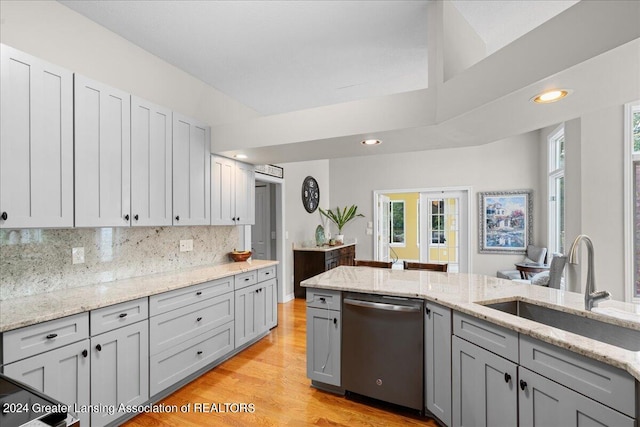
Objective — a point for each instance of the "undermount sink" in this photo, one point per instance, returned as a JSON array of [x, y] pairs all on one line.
[[608, 333]]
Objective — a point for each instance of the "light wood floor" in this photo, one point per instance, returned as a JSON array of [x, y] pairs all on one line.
[[271, 375]]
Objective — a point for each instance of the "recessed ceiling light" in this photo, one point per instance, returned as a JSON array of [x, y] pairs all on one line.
[[371, 142], [240, 156], [550, 96]]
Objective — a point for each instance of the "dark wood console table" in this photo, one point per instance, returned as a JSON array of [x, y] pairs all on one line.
[[308, 262]]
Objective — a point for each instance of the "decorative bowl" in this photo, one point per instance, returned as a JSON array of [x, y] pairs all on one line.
[[239, 256]]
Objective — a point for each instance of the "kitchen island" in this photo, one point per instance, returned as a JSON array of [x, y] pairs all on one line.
[[520, 344]]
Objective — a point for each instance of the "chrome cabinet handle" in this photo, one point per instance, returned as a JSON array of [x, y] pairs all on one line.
[[381, 306]]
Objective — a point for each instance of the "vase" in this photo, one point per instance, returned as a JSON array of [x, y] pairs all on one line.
[[340, 239]]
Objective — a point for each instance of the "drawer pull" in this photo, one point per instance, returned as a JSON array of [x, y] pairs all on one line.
[[122, 315], [198, 319], [246, 279], [335, 321], [85, 353], [51, 336], [507, 377], [99, 347], [199, 293], [323, 300], [267, 273], [523, 384], [199, 352]]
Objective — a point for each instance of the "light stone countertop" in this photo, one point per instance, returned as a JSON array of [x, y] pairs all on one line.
[[462, 292], [24, 311]]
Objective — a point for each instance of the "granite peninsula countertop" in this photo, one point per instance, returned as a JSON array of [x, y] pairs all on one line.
[[323, 248], [463, 292], [24, 311]]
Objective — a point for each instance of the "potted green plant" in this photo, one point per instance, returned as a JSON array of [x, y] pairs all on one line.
[[341, 217]]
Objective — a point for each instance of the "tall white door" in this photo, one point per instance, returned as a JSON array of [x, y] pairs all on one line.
[[443, 229], [384, 229], [261, 230], [36, 142], [102, 155]]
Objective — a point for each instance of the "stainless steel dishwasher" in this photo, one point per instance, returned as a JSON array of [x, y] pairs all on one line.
[[383, 347]]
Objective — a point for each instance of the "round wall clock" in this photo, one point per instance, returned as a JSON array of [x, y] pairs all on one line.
[[310, 194]]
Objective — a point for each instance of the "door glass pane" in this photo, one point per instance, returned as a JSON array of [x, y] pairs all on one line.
[[636, 131], [560, 214]]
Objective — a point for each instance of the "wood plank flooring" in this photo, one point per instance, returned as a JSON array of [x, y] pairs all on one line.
[[271, 375]]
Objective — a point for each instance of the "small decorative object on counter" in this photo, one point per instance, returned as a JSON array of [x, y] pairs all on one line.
[[320, 236], [340, 218], [239, 256]]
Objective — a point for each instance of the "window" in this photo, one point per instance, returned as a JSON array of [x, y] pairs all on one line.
[[437, 222], [556, 191], [397, 223], [632, 199]]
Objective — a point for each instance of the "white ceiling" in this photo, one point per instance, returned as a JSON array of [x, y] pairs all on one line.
[[282, 56]]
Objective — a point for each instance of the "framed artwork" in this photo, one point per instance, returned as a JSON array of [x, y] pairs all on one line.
[[506, 221]]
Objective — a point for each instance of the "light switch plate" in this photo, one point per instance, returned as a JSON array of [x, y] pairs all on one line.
[[77, 255]]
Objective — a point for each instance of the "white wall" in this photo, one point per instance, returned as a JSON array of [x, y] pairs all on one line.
[[509, 164], [55, 33], [595, 196], [301, 225]]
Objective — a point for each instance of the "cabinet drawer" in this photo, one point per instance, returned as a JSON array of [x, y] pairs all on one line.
[[324, 298], [118, 315], [266, 273], [174, 327], [176, 363], [172, 300], [246, 279], [602, 382], [496, 339], [31, 340]]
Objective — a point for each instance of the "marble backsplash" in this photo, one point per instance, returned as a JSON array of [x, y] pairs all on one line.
[[34, 261]]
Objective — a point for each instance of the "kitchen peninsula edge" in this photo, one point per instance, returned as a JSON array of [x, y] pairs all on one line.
[[463, 292]]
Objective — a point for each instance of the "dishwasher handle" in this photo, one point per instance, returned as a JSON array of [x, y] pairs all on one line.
[[382, 306]]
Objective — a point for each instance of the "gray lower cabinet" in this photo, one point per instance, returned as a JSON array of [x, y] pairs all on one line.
[[437, 360], [256, 304], [544, 403], [62, 373], [119, 370], [324, 333], [484, 387]]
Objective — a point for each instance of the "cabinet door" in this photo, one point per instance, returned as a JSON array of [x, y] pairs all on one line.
[[119, 369], [62, 373], [222, 191], [323, 345], [545, 403], [271, 302], [438, 361], [102, 155], [150, 164], [36, 142], [250, 314], [245, 194], [191, 171], [483, 388]]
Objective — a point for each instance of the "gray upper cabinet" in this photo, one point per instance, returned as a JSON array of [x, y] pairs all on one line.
[[191, 171], [151, 154], [232, 192], [36, 142], [102, 155], [438, 361]]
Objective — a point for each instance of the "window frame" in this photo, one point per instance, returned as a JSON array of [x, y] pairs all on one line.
[[555, 172], [630, 158]]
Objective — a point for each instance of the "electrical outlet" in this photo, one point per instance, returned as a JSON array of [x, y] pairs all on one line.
[[77, 255], [186, 245]]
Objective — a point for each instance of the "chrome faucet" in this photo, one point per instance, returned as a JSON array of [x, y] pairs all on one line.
[[590, 294]]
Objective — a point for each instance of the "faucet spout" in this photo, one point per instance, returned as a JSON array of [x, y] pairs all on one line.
[[590, 294]]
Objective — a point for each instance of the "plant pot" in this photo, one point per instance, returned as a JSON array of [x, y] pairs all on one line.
[[340, 239]]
